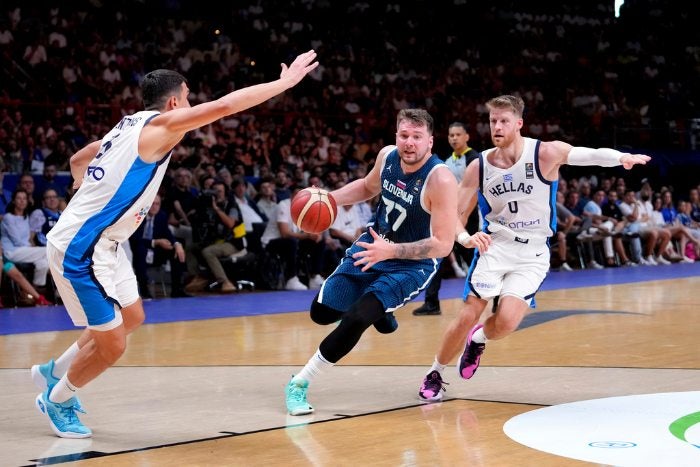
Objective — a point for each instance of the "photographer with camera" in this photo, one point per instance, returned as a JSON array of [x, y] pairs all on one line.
[[212, 238]]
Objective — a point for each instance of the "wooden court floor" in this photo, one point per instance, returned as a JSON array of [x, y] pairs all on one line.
[[211, 392]]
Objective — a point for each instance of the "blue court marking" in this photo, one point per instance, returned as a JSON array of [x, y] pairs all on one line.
[[55, 318]]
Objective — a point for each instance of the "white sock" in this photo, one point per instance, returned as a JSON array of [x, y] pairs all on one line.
[[479, 337], [437, 366], [63, 362], [63, 390], [314, 367]]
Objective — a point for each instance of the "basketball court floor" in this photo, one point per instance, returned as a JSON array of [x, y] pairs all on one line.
[[605, 371]]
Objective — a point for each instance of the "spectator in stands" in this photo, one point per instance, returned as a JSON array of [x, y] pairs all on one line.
[[48, 181], [42, 219], [666, 217], [213, 224], [282, 184], [153, 244], [18, 240], [567, 225], [694, 201], [684, 218], [18, 278], [26, 183], [183, 200], [249, 214], [5, 195], [640, 211], [623, 231]]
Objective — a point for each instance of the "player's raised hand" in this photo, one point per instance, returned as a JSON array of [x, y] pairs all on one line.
[[299, 68], [630, 160]]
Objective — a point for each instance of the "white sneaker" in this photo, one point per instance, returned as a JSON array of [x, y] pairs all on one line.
[[295, 284], [687, 260], [565, 267], [651, 261], [594, 265], [316, 282], [661, 260], [459, 272]]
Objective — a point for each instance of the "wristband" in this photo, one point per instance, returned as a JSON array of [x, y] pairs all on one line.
[[463, 238]]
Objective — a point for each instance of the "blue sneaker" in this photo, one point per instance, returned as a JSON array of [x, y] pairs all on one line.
[[62, 416], [43, 377], [296, 398], [386, 324]]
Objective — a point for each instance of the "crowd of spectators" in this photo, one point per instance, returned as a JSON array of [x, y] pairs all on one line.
[[69, 72]]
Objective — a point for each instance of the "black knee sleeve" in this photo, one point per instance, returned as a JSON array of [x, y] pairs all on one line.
[[365, 312], [322, 314]]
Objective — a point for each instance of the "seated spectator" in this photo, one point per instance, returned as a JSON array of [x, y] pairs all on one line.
[[684, 218], [26, 183], [5, 195], [18, 240], [153, 244], [665, 216], [212, 238], [42, 219], [639, 212], [48, 181], [182, 201], [18, 278], [248, 212], [623, 230], [345, 230], [282, 238]]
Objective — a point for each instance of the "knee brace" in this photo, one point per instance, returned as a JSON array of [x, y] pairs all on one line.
[[323, 314]]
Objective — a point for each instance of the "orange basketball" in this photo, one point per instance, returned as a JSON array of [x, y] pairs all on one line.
[[313, 210]]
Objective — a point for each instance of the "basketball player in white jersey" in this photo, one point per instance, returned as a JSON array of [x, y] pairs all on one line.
[[516, 186], [118, 178]]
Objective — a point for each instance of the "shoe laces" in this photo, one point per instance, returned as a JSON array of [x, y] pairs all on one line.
[[69, 412], [473, 351], [297, 393], [434, 382]]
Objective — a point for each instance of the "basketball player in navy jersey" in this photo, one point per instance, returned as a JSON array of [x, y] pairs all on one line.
[[396, 257], [117, 179], [516, 185]]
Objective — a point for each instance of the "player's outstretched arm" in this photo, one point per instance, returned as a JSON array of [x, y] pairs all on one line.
[[184, 120]]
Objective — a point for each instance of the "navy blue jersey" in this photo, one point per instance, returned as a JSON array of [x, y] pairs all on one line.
[[401, 215]]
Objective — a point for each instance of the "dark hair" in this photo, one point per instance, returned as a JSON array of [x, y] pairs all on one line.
[[417, 116], [459, 124], [11, 205], [158, 85]]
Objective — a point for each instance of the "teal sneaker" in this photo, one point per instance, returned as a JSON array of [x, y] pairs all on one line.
[[43, 377], [296, 398], [62, 416]]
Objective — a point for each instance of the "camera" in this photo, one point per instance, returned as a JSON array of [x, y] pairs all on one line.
[[206, 198]]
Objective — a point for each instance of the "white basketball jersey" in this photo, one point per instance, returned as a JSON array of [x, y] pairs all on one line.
[[116, 193], [518, 201]]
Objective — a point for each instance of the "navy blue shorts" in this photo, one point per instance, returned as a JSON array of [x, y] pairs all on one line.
[[394, 282]]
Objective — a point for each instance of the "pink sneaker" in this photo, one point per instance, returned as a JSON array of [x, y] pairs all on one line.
[[469, 361], [432, 388]]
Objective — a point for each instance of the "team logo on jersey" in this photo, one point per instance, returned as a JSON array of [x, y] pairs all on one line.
[[529, 170], [388, 168], [508, 177], [401, 184], [141, 214], [417, 185]]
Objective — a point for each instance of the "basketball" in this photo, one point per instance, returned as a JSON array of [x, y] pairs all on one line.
[[313, 210]]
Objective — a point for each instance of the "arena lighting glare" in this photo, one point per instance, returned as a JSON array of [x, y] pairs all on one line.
[[618, 4]]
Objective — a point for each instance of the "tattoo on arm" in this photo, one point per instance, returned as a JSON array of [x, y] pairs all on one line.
[[414, 250]]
